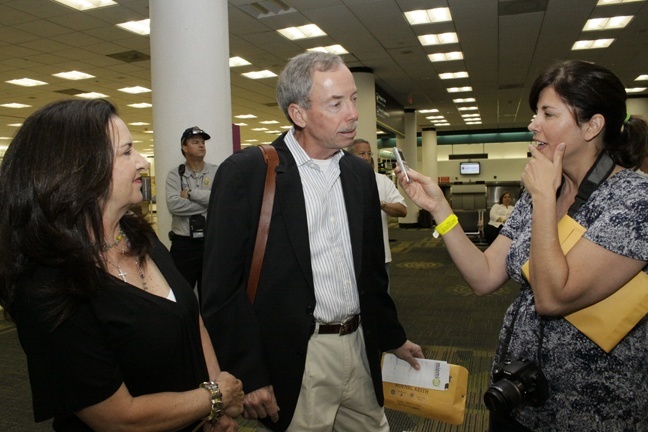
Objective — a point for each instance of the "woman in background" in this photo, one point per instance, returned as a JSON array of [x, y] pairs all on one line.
[[112, 333], [498, 215], [580, 123]]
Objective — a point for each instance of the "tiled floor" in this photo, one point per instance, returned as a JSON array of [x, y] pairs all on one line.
[[435, 306]]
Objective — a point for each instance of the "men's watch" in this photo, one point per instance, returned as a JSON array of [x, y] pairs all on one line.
[[216, 398]]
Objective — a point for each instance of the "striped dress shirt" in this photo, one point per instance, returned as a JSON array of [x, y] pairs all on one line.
[[336, 291]]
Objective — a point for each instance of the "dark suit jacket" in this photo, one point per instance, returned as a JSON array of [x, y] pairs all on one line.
[[266, 343]]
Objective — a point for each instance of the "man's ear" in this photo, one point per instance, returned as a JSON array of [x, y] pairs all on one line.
[[594, 126], [297, 114]]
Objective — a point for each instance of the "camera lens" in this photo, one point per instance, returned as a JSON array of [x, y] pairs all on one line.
[[502, 396]]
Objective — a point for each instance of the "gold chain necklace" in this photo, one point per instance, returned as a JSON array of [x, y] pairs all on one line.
[[120, 272], [107, 246]]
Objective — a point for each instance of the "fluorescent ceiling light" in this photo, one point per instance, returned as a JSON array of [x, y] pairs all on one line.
[[269, 122], [142, 27], [439, 117], [302, 32], [148, 131], [449, 56], [428, 111], [616, 22], [333, 49], [241, 124], [463, 100], [473, 122], [428, 16], [259, 129], [469, 108], [610, 2], [135, 90], [15, 124], [635, 89], [26, 82], [246, 116], [91, 95], [442, 124], [592, 44], [139, 124], [86, 4], [459, 89], [73, 75], [642, 78], [238, 61], [438, 39], [259, 74], [453, 75], [140, 105], [15, 105], [275, 132], [470, 115], [286, 127]]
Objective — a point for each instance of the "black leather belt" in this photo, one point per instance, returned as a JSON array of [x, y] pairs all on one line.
[[347, 327]]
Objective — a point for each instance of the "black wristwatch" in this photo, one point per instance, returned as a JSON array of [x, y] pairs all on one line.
[[216, 398]]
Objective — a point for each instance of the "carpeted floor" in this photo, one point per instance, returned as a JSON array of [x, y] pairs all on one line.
[[435, 306]]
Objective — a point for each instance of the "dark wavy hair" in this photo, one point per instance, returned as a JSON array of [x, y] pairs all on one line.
[[592, 89], [54, 179]]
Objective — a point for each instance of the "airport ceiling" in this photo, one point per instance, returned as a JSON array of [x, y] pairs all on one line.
[[505, 44]]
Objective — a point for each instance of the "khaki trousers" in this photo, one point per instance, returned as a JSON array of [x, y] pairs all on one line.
[[337, 393]]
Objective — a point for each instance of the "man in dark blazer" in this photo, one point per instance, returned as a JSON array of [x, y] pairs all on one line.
[[308, 350]]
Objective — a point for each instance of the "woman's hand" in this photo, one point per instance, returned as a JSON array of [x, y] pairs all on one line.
[[232, 391], [424, 191], [541, 172], [225, 424]]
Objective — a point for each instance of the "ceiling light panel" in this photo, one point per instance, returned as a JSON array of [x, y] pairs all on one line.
[[459, 89], [607, 23], [91, 95], [453, 75], [428, 16], [86, 4], [26, 82], [15, 105], [592, 44], [142, 27], [73, 75], [449, 56], [438, 39], [612, 2], [135, 90], [259, 74], [238, 61], [333, 49], [302, 32]]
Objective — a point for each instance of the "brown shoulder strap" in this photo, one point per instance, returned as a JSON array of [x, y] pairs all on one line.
[[272, 160]]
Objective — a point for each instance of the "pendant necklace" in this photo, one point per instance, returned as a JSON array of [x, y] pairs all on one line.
[[107, 246], [120, 272]]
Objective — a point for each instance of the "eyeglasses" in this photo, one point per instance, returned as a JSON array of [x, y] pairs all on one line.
[[365, 153]]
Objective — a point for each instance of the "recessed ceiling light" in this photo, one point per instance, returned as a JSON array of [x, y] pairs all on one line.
[[592, 44], [73, 75], [135, 90], [439, 117], [238, 61], [428, 16], [333, 49], [642, 78], [26, 82], [269, 122], [91, 95], [616, 22], [142, 27], [610, 2], [259, 74], [259, 129], [246, 116], [302, 32], [15, 105], [473, 122], [459, 89], [438, 39], [453, 75], [428, 111], [15, 124], [241, 124], [469, 108], [140, 105], [635, 89], [470, 115], [463, 100], [86, 4], [449, 56], [138, 124]]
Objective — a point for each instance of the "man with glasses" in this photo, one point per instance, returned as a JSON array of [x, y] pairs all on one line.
[[392, 202], [188, 188]]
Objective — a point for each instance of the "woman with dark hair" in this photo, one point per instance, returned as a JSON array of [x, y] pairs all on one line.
[[498, 215], [587, 147], [112, 333]]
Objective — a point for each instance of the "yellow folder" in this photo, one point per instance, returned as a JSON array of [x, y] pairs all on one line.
[[607, 322]]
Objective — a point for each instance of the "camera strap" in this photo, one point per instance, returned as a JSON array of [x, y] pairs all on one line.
[[598, 173]]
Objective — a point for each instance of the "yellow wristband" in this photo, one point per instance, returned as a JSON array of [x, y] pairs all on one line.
[[444, 227]]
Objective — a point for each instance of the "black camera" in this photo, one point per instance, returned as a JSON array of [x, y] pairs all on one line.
[[514, 383]]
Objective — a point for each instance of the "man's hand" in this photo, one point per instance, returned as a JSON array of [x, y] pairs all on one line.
[[261, 403], [185, 193], [409, 352], [232, 391]]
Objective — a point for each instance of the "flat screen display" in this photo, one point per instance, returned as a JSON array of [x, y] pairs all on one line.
[[469, 168]]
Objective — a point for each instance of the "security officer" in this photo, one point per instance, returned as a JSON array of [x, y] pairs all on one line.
[[188, 188]]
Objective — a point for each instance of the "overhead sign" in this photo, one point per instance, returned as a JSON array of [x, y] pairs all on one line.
[[390, 115]]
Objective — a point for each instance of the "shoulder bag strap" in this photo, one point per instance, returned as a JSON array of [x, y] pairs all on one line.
[[271, 160]]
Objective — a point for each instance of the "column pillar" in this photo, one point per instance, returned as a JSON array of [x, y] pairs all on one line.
[[366, 84], [410, 150], [190, 79], [430, 165]]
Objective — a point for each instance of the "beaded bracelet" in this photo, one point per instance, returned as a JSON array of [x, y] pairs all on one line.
[[444, 227], [216, 398]]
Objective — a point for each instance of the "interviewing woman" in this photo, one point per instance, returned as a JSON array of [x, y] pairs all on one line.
[[581, 122]]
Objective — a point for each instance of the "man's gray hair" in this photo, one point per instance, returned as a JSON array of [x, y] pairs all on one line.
[[295, 81]]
